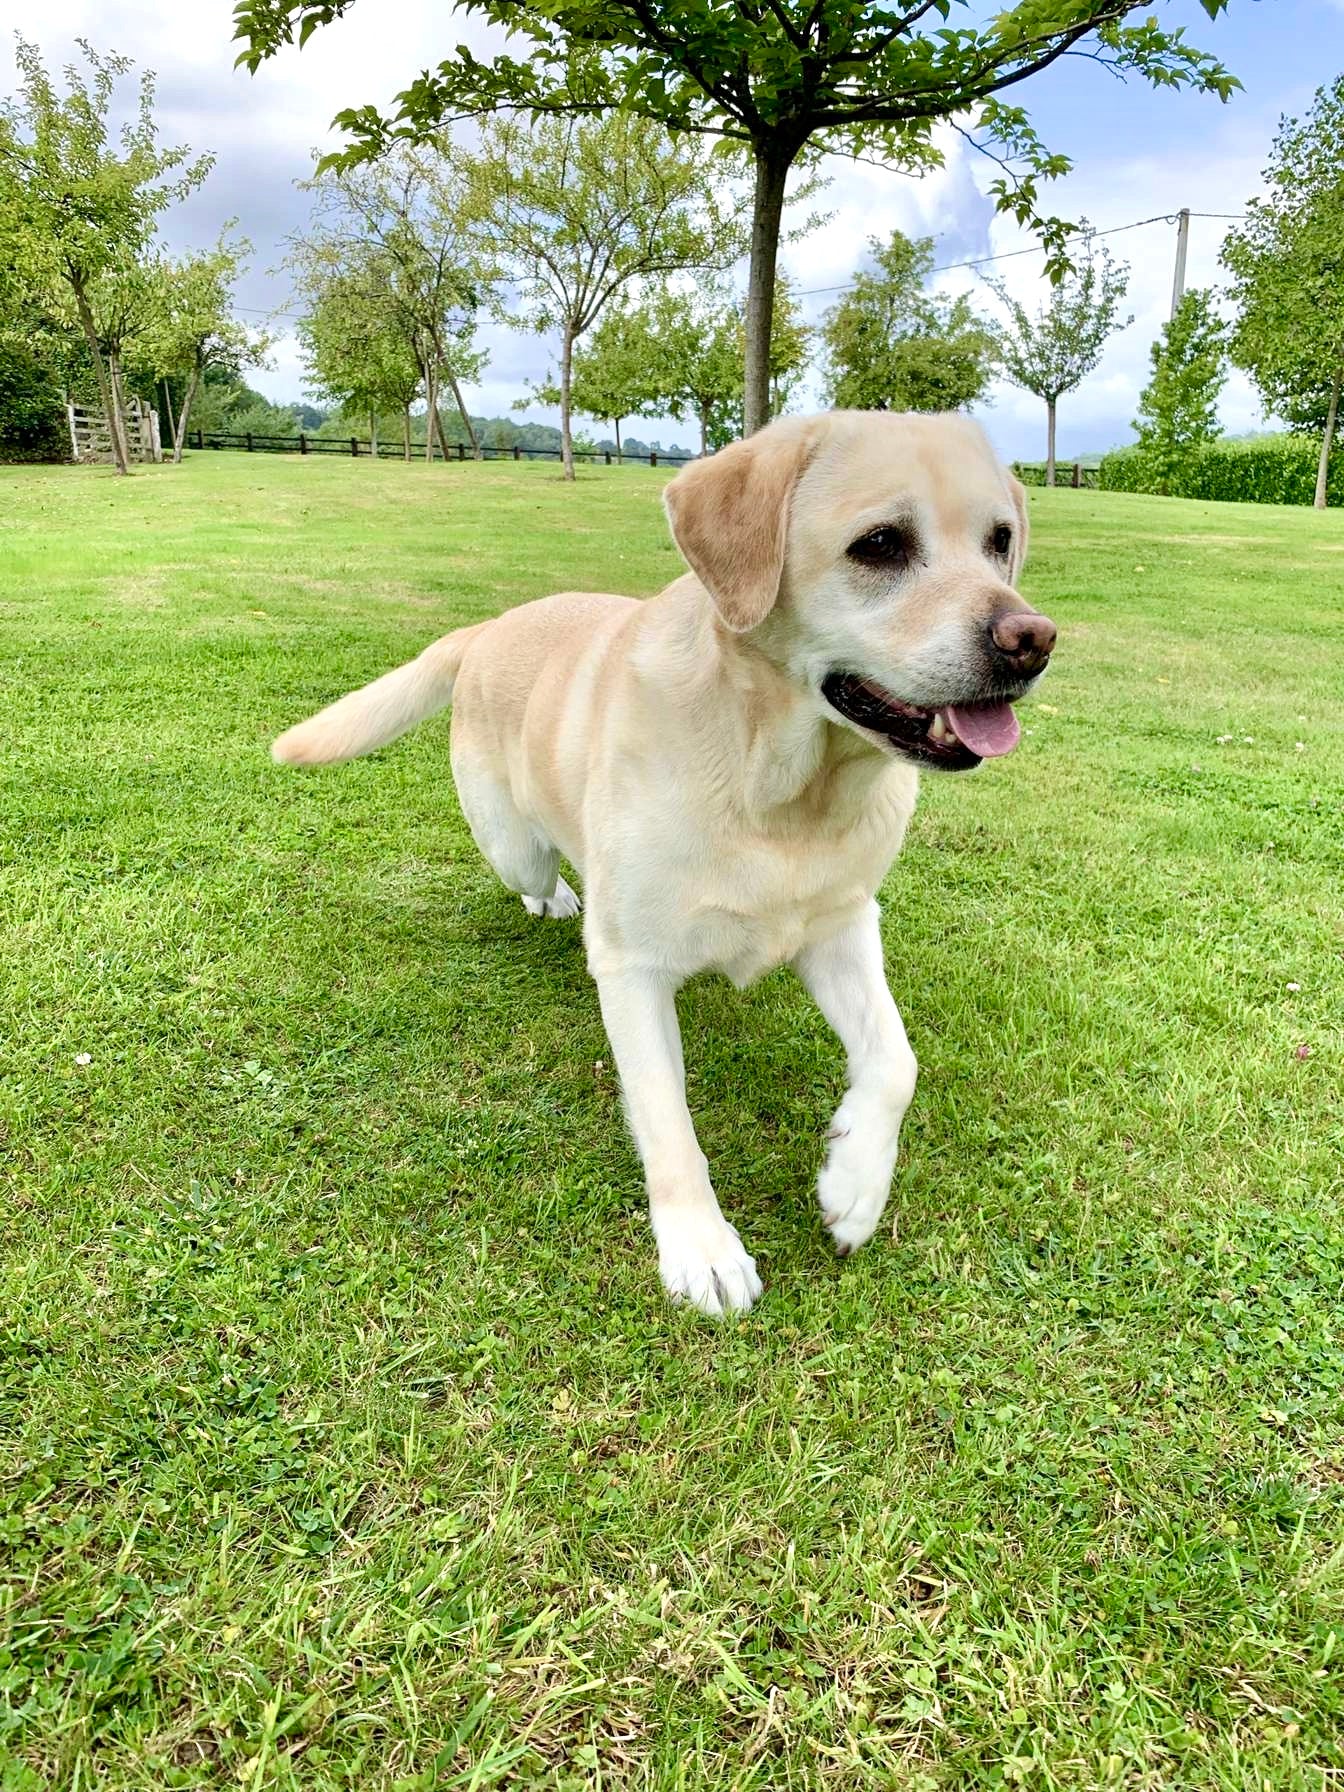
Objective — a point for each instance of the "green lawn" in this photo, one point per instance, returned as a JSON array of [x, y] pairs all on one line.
[[346, 1438]]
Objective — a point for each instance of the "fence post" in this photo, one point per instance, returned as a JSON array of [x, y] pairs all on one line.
[[608, 456], [653, 457], [461, 450], [354, 446], [303, 442], [200, 438], [517, 452], [1077, 474], [249, 441]]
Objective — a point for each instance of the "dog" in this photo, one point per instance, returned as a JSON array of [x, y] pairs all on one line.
[[731, 765]]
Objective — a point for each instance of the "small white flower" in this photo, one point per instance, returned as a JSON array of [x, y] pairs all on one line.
[[1249, 739], [83, 1057], [1299, 746], [1292, 987], [1223, 739]]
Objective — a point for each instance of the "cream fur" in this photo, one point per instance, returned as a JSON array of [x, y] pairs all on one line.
[[722, 816]]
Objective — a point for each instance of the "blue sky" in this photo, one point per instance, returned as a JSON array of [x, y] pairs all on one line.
[[1136, 151]]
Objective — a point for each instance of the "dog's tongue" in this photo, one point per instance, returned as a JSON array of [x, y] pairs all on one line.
[[989, 729]]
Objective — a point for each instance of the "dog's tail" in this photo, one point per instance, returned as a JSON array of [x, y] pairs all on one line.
[[378, 713]]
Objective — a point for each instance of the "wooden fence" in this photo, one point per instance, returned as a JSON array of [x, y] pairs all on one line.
[[248, 442], [91, 439], [1082, 475]]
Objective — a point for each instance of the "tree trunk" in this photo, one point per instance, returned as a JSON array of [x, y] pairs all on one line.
[[465, 415], [566, 370], [617, 422], [168, 405], [119, 408], [1327, 443], [1050, 404], [373, 434], [704, 433], [440, 432], [188, 399], [406, 432], [100, 368], [772, 173], [431, 411]]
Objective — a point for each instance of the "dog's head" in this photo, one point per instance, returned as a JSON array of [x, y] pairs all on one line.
[[874, 556]]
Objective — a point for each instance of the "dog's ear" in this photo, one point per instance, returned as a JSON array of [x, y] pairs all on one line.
[[1022, 534], [729, 515]]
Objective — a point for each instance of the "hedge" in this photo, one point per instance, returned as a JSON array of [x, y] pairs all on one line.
[[1265, 470], [32, 416]]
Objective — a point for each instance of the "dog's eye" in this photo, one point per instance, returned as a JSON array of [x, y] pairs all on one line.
[[888, 546], [1001, 540]]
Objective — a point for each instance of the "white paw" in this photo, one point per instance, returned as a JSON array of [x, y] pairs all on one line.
[[702, 1260], [560, 906], [855, 1180]]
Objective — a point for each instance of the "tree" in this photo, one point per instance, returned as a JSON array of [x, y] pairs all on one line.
[[611, 375], [790, 346], [787, 79], [695, 361], [400, 229], [1178, 408], [356, 349], [225, 402], [891, 345], [76, 214], [1054, 352], [575, 210], [1287, 268], [195, 331], [696, 349]]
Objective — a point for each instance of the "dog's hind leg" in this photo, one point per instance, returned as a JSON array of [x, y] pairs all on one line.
[[521, 855]]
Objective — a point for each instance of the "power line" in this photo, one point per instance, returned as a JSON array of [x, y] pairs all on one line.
[[983, 261]]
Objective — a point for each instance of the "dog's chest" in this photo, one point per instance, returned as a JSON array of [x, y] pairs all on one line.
[[750, 900]]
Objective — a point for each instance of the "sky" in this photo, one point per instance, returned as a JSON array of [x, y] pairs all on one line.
[[1137, 154]]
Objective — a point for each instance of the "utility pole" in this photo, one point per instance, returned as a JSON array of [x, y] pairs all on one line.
[[1182, 244]]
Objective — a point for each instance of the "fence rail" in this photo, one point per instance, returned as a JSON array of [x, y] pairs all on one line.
[[248, 442]]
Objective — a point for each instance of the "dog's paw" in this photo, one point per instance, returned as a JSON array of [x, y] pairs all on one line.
[[702, 1260], [855, 1182], [561, 906]]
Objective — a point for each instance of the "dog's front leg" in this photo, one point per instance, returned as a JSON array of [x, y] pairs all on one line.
[[701, 1257], [848, 982]]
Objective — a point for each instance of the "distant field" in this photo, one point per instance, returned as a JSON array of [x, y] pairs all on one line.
[[346, 1440]]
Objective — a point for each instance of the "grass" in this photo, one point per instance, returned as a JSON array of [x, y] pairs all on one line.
[[346, 1438]]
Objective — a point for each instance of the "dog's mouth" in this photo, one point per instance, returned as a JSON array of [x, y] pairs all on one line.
[[955, 738]]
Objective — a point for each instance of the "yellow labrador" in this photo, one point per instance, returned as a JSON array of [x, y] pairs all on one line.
[[731, 765]]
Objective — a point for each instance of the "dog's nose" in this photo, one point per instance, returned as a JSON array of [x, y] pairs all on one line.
[[1024, 638]]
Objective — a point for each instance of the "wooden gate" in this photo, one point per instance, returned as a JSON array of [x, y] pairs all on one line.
[[91, 439]]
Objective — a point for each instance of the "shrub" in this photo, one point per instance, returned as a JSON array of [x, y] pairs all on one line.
[[1265, 470], [1030, 472], [32, 417]]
